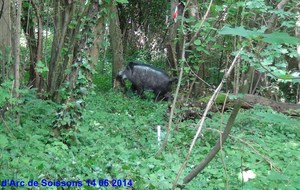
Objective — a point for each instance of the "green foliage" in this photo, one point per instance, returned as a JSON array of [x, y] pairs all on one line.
[[114, 136], [122, 1], [5, 93], [273, 38], [76, 89], [265, 48], [42, 68], [220, 98], [103, 77], [117, 139]]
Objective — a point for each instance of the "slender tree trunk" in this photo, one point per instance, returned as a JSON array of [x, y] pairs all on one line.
[[16, 28], [16, 20], [172, 54], [35, 45], [5, 38], [116, 42], [297, 33], [38, 58]]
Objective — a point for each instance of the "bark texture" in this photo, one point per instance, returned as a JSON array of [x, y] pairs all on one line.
[[116, 42]]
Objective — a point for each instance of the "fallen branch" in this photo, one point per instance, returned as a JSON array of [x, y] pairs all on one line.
[[286, 108], [248, 101]]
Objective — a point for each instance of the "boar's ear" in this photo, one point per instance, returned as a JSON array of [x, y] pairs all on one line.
[[131, 65]]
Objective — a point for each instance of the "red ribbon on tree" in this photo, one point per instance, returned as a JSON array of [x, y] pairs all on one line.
[[178, 10]]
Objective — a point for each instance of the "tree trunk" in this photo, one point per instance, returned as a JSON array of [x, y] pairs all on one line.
[[5, 38], [35, 45], [297, 33], [16, 30], [65, 45], [16, 21], [172, 54], [95, 50], [62, 11], [116, 42], [79, 78], [38, 83]]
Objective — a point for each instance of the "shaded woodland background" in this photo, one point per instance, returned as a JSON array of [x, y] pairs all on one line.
[[57, 55]]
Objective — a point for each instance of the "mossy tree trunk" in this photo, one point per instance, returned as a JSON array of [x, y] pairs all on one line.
[[16, 7], [5, 39], [116, 41]]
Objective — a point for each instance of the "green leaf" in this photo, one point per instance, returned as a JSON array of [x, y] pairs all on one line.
[[273, 38], [275, 118], [280, 38], [122, 1], [290, 77], [197, 42], [239, 31], [41, 67], [3, 141]]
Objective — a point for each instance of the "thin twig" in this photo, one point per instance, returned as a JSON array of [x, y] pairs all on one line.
[[209, 105], [171, 114], [221, 140], [200, 26], [249, 144]]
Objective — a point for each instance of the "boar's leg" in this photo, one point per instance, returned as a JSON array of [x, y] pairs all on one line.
[[163, 96], [139, 91], [158, 96], [168, 96], [134, 88]]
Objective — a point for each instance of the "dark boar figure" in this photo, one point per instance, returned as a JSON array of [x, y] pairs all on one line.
[[146, 77]]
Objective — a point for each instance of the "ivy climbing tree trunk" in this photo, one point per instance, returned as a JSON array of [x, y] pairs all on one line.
[[80, 78], [116, 41], [68, 21], [62, 18]]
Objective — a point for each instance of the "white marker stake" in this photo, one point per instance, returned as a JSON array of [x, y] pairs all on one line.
[[158, 134]]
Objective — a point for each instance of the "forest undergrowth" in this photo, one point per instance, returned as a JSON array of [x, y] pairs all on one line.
[[117, 139]]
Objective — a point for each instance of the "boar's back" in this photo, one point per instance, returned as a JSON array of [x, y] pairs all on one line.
[[148, 77]]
